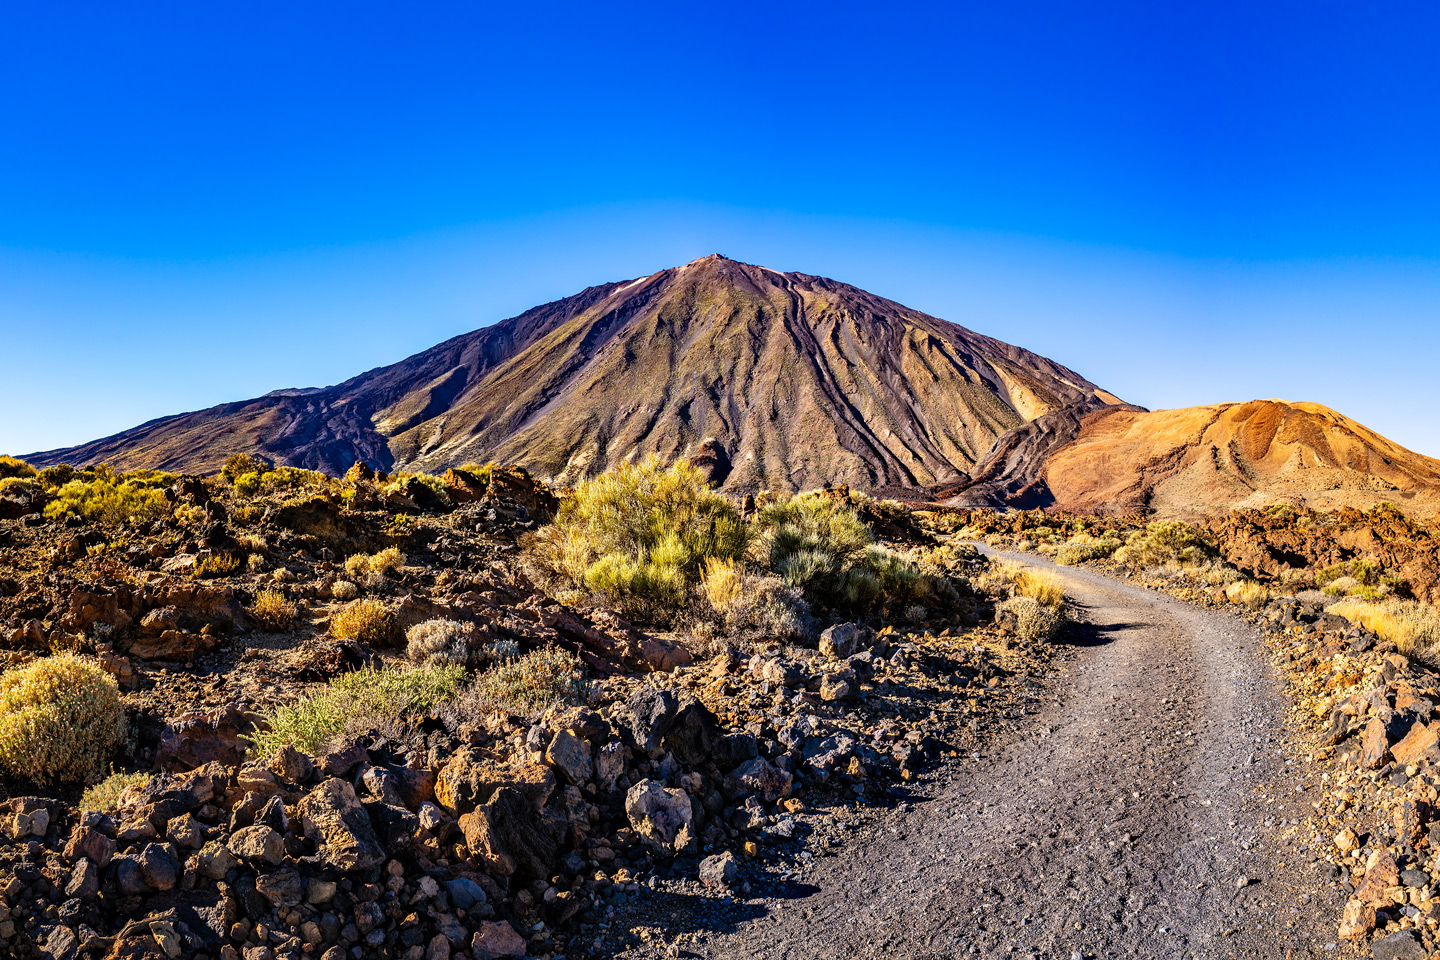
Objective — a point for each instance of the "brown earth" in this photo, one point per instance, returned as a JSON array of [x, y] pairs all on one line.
[[1200, 460], [800, 382]]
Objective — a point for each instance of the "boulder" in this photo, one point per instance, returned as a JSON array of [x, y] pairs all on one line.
[[692, 735], [332, 816], [661, 815], [839, 686], [497, 939], [720, 871], [570, 755], [647, 716], [1402, 945], [760, 778], [844, 639], [511, 838], [1420, 743], [470, 779], [257, 844], [199, 737]]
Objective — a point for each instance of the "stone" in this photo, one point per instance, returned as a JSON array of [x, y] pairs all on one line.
[[61, 944], [648, 714], [432, 818], [758, 777], [469, 779], [215, 860], [185, 831], [257, 844], [510, 837], [609, 764], [198, 737], [84, 880], [90, 844], [842, 640], [291, 765], [1381, 873], [166, 938], [332, 816], [692, 735], [720, 871], [785, 674], [570, 755], [283, 888], [1374, 744], [1357, 921], [839, 685], [439, 948], [1346, 840], [1420, 743], [661, 815], [497, 939], [159, 867], [1403, 945], [465, 894], [320, 890]]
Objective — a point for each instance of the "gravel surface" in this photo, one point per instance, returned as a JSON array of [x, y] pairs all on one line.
[[1153, 809]]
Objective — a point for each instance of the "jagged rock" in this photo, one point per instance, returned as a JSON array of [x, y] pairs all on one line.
[[90, 844], [1375, 745], [199, 737], [609, 764], [497, 939], [283, 888], [720, 871], [469, 779], [648, 714], [826, 755], [291, 765], [1402, 945], [1419, 743], [257, 844], [844, 639], [570, 755], [839, 685], [758, 777], [692, 734], [332, 816], [661, 815], [510, 837]]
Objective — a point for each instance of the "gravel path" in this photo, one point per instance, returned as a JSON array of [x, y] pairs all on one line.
[[1149, 811]]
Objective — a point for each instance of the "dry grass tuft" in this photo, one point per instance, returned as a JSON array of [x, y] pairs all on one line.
[[368, 621], [1247, 592], [1413, 627], [1045, 587], [273, 612]]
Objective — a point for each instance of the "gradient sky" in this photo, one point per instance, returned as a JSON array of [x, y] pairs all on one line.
[[1188, 203]]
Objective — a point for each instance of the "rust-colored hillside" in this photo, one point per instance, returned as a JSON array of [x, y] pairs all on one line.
[[1201, 460], [799, 380]]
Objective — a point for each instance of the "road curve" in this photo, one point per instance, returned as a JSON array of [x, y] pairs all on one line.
[[1149, 811]]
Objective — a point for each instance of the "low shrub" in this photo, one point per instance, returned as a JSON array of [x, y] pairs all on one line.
[[1034, 621], [273, 612], [1248, 593], [1043, 586], [13, 467], [385, 562], [528, 685], [639, 533], [244, 464], [221, 564], [344, 590], [1164, 542], [356, 701], [755, 607], [367, 621], [441, 642], [110, 794], [1082, 547], [60, 719]]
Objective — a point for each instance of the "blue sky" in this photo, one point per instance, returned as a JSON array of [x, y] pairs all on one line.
[[1187, 203]]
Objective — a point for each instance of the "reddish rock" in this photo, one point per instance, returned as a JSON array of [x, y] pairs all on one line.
[[497, 939], [1374, 745], [1419, 743]]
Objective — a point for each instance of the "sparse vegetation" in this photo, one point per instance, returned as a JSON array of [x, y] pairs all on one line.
[[11, 467], [441, 642], [273, 612], [387, 561], [368, 621], [1045, 587], [1164, 542], [754, 607], [1412, 626], [1034, 621], [1247, 592], [1084, 546], [356, 700], [101, 494], [528, 685], [219, 564], [108, 795], [60, 719]]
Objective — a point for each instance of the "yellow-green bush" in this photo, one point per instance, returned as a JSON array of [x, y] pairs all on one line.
[[750, 606], [1084, 546], [639, 533], [242, 464], [1033, 620], [98, 493], [818, 544], [273, 612], [1413, 627], [368, 621], [60, 719], [222, 564], [358, 699], [13, 467], [375, 565], [1164, 542], [1248, 593]]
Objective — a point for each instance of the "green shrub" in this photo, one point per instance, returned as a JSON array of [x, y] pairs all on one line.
[[1084, 546], [222, 564], [356, 700], [107, 795], [57, 476], [248, 484], [368, 621], [1034, 621], [639, 533], [60, 719], [101, 494]]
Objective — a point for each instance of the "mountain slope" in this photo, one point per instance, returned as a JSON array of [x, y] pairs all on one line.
[[1199, 460], [799, 379]]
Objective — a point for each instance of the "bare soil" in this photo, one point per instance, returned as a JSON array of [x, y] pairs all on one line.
[[1151, 810]]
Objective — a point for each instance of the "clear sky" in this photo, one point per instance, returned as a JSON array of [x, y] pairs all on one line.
[[1187, 203]]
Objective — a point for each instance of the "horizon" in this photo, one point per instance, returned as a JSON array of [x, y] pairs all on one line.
[[1187, 207]]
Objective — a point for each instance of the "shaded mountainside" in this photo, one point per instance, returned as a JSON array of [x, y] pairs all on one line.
[[798, 380], [1199, 460]]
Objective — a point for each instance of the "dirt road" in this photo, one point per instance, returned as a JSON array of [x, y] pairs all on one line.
[[1151, 811]]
